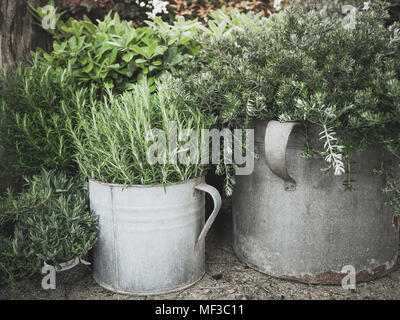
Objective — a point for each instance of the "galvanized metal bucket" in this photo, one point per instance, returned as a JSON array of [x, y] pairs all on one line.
[[151, 238], [291, 220]]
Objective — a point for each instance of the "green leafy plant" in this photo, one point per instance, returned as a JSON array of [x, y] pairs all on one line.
[[114, 139], [226, 20], [113, 53], [331, 7], [306, 67], [35, 104], [391, 189], [48, 222], [338, 7]]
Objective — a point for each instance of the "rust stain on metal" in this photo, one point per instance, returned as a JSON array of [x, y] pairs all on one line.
[[331, 277]]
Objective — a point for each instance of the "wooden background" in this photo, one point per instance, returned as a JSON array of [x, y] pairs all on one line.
[[18, 35]]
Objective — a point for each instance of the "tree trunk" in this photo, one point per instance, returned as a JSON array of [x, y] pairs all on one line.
[[18, 34]]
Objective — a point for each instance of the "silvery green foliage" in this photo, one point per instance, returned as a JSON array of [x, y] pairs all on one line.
[[341, 8], [47, 222], [223, 22], [114, 138], [35, 105], [331, 7], [391, 189], [305, 66]]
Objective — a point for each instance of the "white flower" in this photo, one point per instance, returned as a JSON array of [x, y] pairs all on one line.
[[159, 7], [366, 5]]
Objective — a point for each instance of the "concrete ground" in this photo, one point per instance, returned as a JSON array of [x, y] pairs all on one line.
[[226, 278]]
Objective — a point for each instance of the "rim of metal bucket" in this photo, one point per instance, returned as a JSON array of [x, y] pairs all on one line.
[[199, 179]]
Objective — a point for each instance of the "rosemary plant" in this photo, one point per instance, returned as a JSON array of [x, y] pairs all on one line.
[[113, 140], [308, 67], [48, 222], [35, 104]]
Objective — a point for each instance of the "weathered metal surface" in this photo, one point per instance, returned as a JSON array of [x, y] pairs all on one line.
[[276, 140], [309, 234], [148, 234]]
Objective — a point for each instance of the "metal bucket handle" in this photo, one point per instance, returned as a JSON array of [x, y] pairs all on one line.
[[276, 140], [217, 206]]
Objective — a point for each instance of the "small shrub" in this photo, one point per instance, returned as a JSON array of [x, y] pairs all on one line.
[[114, 139], [48, 222], [114, 54], [35, 104], [306, 67], [331, 7], [337, 7], [224, 21]]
